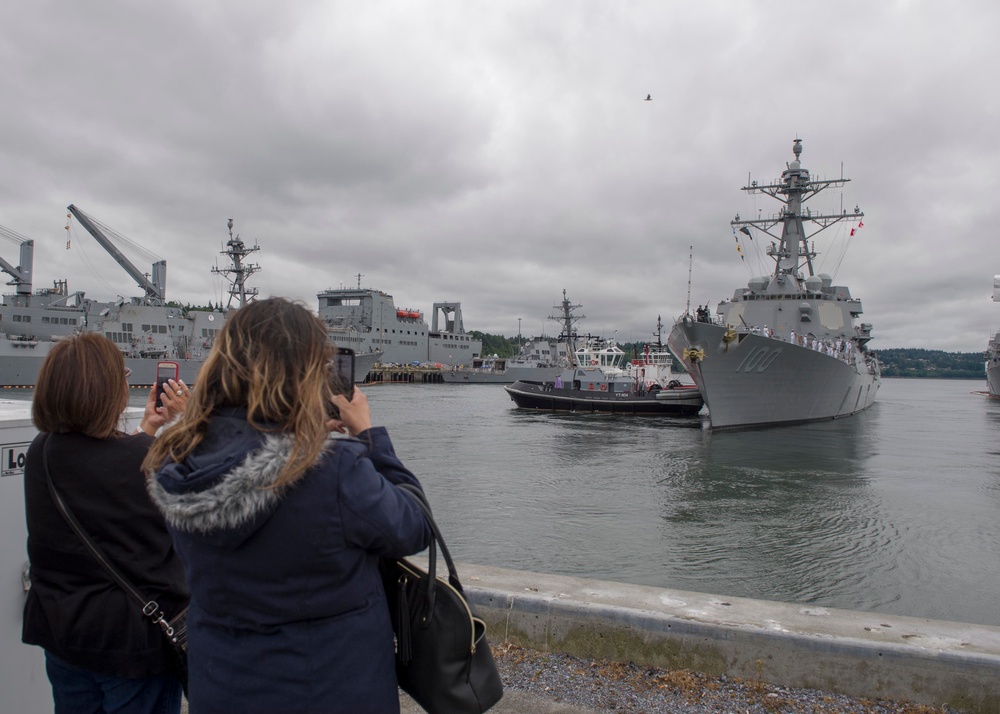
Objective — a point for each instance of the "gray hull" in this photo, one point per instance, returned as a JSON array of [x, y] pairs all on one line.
[[19, 366], [468, 375], [993, 378], [760, 381]]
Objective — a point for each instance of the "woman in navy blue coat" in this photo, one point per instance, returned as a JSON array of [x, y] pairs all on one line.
[[280, 527]]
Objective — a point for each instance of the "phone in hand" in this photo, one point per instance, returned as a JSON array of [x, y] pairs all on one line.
[[342, 375], [165, 371]]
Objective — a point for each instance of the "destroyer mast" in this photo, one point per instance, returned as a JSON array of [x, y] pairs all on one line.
[[240, 272], [793, 252]]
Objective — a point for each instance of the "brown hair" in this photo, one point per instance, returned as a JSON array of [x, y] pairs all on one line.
[[81, 387], [272, 359]]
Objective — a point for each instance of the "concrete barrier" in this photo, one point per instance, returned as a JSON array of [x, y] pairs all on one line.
[[855, 653]]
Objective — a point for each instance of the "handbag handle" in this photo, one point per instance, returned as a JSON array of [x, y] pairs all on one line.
[[150, 608], [421, 501]]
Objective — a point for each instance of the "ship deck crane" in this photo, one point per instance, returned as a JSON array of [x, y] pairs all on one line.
[[155, 289]]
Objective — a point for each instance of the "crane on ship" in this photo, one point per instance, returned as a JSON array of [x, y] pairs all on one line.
[[155, 289], [21, 274]]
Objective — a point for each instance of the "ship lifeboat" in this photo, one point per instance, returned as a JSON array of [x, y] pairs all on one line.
[[415, 314], [402, 313]]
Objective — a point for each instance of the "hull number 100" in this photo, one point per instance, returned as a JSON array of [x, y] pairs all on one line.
[[759, 359]]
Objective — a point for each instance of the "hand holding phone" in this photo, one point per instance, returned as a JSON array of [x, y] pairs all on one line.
[[353, 415], [165, 371]]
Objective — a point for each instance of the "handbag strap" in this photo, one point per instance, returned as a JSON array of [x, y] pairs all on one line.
[[421, 501], [150, 608]]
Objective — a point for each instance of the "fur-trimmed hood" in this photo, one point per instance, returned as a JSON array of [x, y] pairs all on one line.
[[224, 487]]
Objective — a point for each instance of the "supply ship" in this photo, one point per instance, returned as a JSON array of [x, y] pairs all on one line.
[[368, 321], [788, 347]]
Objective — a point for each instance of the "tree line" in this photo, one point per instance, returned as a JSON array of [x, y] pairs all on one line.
[[936, 364]]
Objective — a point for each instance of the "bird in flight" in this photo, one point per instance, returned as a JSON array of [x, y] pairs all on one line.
[[649, 97]]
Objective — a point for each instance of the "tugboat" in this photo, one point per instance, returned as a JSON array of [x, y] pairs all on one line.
[[602, 379], [787, 348]]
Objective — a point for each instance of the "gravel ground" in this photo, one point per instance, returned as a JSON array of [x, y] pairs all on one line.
[[572, 685], [600, 686]]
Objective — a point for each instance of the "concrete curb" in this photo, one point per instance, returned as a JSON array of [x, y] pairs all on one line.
[[855, 653]]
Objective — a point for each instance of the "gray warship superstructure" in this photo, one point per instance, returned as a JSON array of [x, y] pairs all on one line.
[[993, 350], [787, 348], [540, 359], [368, 321], [146, 329]]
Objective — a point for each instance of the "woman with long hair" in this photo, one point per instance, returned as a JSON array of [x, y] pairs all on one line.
[[280, 527], [101, 653]]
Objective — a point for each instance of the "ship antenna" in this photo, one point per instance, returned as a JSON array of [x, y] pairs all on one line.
[[687, 308], [359, 281]]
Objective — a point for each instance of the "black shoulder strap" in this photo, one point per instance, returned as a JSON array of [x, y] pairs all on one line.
[[150, 608]]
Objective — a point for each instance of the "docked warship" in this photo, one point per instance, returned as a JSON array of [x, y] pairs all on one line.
[[993, 350], [145, 328], [788, 347], [540, 359]]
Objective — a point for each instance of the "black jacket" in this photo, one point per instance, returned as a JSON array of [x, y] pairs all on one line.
[[74, 609]]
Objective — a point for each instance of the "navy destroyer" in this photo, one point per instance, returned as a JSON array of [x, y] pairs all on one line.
[[788, 347], [993, 350]]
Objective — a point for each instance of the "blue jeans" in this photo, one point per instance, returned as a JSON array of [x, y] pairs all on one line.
[[78, 691]]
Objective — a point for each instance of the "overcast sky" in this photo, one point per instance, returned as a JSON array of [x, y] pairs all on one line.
[[496, 153]]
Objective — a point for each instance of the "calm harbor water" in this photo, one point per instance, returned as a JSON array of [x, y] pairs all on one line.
[[894, 510]]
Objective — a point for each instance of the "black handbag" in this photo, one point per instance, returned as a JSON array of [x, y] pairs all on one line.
[[443, 660], [174, 629]]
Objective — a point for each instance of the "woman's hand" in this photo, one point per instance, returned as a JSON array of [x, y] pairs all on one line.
[[355, 415], [173, 397]]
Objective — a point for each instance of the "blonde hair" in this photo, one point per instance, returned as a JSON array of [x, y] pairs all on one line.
[[271, 358], [81, 387]]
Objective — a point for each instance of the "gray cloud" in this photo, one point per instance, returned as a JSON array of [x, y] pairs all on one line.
[[498, 153]]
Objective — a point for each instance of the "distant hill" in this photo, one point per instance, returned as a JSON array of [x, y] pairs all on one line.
[[913, 362]]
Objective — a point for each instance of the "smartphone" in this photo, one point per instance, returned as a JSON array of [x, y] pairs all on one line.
[[342, 375], [165, 371]]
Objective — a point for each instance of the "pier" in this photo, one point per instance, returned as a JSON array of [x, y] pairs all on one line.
[[403, 374], [860, 654]]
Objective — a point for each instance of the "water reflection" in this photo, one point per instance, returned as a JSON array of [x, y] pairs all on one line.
[[782, 513]]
